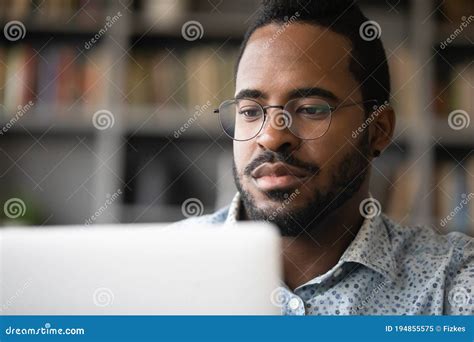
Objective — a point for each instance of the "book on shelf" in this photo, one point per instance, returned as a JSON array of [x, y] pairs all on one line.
[[84, 13], [455, 92], [454, 10], [462, 87], [167, 75], [3, 71], [451, 92], [403, 193], [20, 78], [61, 77], [183, 80], [455, 196], [402, 68], [166, 12]]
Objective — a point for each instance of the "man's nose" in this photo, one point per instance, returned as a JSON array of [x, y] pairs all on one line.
[[275, 134]]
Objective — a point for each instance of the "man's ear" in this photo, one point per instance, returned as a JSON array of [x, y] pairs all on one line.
[[381, 130]]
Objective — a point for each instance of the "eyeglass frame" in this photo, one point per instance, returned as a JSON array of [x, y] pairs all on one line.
[[264, 110]]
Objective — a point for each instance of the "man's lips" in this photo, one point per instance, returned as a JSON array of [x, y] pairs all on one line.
[[273, 176]]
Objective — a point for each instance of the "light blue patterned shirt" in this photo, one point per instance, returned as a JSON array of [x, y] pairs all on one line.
[[388, 269]]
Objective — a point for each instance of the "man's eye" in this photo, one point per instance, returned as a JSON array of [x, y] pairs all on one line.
[[250, 112], [315, 111]]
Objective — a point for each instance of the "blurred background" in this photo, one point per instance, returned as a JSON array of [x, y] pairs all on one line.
[[106, 110]]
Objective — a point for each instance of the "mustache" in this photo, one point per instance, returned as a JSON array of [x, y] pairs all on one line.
[[273, 157]]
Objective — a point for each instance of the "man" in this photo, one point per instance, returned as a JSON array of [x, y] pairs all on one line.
[[306, 80]]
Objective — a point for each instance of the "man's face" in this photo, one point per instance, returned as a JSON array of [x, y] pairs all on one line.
[[291, 181]]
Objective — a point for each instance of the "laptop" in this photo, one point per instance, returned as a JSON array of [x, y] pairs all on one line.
[[140, 269]]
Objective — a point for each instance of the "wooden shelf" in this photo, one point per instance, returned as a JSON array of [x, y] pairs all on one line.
[[50, 120], [222, 25], [464, 39], [449, 136], [149, 121]]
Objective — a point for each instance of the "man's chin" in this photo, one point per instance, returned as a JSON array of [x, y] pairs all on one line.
[[275, 208], [276, 195], [276, 205]]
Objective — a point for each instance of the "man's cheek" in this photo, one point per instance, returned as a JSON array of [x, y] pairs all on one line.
[[325, 158], [242, 156]]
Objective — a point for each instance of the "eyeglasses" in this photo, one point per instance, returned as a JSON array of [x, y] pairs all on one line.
[[307, 118]]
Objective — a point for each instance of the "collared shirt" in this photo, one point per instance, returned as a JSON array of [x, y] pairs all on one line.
[[388, 269]]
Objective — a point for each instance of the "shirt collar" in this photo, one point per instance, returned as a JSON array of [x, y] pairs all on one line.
[[234, 210], [371, 246]]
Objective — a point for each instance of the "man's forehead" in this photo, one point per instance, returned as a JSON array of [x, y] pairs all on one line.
[[297, 53], [303, 43]]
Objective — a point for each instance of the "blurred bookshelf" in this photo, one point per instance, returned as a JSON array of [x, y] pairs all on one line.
[[165, 146]]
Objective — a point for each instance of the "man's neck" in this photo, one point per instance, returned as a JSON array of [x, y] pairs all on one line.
[[308, 256]]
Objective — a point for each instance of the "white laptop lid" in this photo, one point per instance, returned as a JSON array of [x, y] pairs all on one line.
[[139, 269]]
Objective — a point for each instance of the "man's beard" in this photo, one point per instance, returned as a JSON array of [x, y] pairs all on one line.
[[346, 181]]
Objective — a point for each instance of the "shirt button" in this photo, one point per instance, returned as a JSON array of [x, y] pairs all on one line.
[[296, 306], [337, 272], [294, 303]]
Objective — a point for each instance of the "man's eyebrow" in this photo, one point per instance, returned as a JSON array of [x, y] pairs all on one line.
[[295, 93], [250, 94], [313, 91]]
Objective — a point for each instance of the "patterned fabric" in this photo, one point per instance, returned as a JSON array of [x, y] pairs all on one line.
[[388, 269]]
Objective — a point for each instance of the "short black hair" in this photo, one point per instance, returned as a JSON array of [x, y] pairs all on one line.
[[368, 61]]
